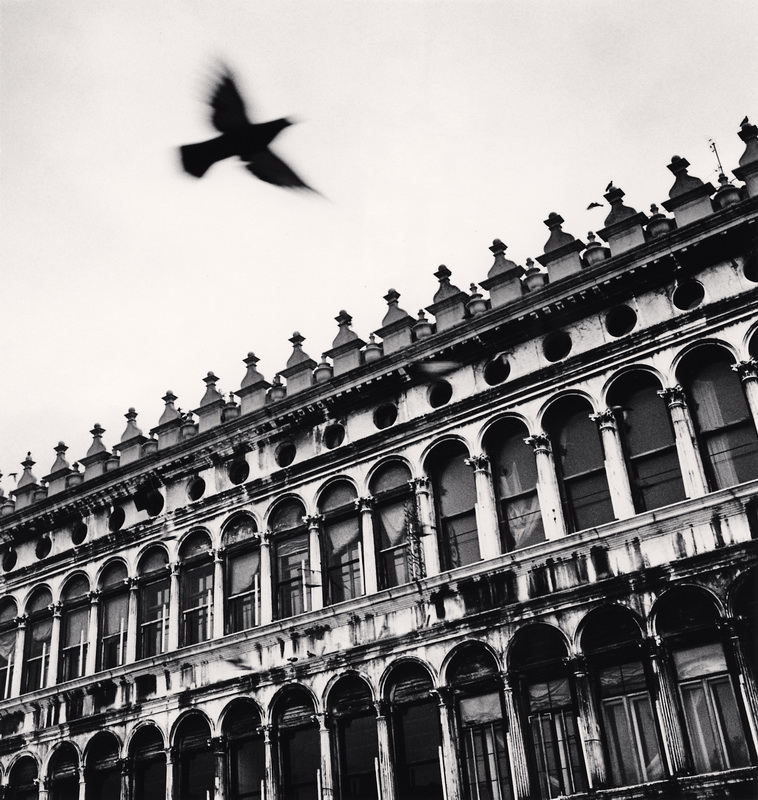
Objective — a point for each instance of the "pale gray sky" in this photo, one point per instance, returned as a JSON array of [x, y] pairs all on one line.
[[430, 127]]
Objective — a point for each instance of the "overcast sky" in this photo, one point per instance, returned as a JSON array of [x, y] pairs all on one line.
[[430, 128]]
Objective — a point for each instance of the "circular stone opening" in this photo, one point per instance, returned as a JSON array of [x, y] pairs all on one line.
[[155, 503], [334, 435], [497, 371], [285, 454], [688, 295], [116, 519], [9, 559], [440, 394], [556, 346], [385, 415], [43, 548], [196, 489], [78, 533], [238, 471], [620, 320]]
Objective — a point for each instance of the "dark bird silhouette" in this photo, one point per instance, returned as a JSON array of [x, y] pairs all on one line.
[[745, 121], [609, 187], [594, 205], [240, 137]]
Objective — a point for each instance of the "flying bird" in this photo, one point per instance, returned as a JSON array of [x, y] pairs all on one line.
[[594, 205], [240, 137]]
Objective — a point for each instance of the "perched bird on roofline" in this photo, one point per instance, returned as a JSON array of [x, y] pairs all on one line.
[[609, 187], [240, 137], [745, 121]]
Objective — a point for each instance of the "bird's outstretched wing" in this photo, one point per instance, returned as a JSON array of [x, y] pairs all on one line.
[[229, 112], [270, 168]]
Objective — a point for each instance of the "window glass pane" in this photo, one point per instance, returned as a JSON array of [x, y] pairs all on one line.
[[579, 442], [730, 724], [416, 751], [114, 612], [589, 500], [704, 744], [358, 748], [717, 396], [652, 764], [622, 679], [390, 476], [113, 575], [75, 626], [481, 708], [153, 561], [516, 467], [733, 454], [392, 524], [703, 660], [461, 540], [288, 515], [486, 767], [243, 569], [621, 749], [455, 487], [39, 602], [300, 758], [338, 495], [549, 694], [658, 479], [240, 529], [195, 545], [524, 520]]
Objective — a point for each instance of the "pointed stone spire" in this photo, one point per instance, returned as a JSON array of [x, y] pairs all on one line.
[[561, 251], [56, 480], [169, 424], [97, 455], [346, 347], [130, 446], [659, 224], [748, 168], [211, 404], [623, 226], [503, 281], [252, 391], [449, 307], [396, 325], [299, 370], [27, 484], [689, 197]]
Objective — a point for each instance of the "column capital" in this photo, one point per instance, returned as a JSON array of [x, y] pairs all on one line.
[[364, 503], [174, 567], [420, 484], [604, 419], [94, 596], [479, 463], [445, 696], [217, 744], [539, 441], [125, 765], [324, 720], [313, 521], [673, 395], [381, 707], [171, 754], [132, 583], [21, 620], [265, 537], [577, 664], [747, 370], [218, 553], [56, 608]]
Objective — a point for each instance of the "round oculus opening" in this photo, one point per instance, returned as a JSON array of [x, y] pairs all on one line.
[[440, 393], [196, 489], [239, 470], [688, 295], [497, 371], [620, 320], [43, 548], [556, 346], [751, 266], [334, 435], [9, 559], [385, 416], [285, 454], [78, 533], [116, 519], [155, 503]]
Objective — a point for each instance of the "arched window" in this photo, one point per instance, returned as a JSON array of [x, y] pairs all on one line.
[[473, 675], [39, 627], [395, 525], [63, 773], [687, 620], [580, 463], [8, 613], [196, 592], [154, 590], [74, 628], [514, 472], [292, 570], [725, 429], [246, 757], [243, 574], [299, 751], [611, 641], [196, 770], [102, 768], [23, 783], [355, 738], [455, 501], [148, 755], [648, 440], [114, 615], [415, 733], [341, 526], [538, 656]]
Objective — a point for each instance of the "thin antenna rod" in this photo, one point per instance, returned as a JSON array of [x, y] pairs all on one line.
[[716, 153]]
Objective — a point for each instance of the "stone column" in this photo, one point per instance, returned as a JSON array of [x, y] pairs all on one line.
[[218, 593], [368, 546], [272, 787], [548, 491], [44, 789], [314, 575], [327, 780], [450, 769], [266, 580], [486, 510], [664, 704], [615, 465], [125, 765], [690, 462], [82, 785], [429, 543], [738, 646], [589, 726], [386, 774], [218, 746], [515, 740], [93, 637], [173, 608], [748, 372], [170, 774], [18, 656], [55, 646], [132, 621]]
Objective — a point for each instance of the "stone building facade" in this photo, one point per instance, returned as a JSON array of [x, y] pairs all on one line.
[[504, 549]]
